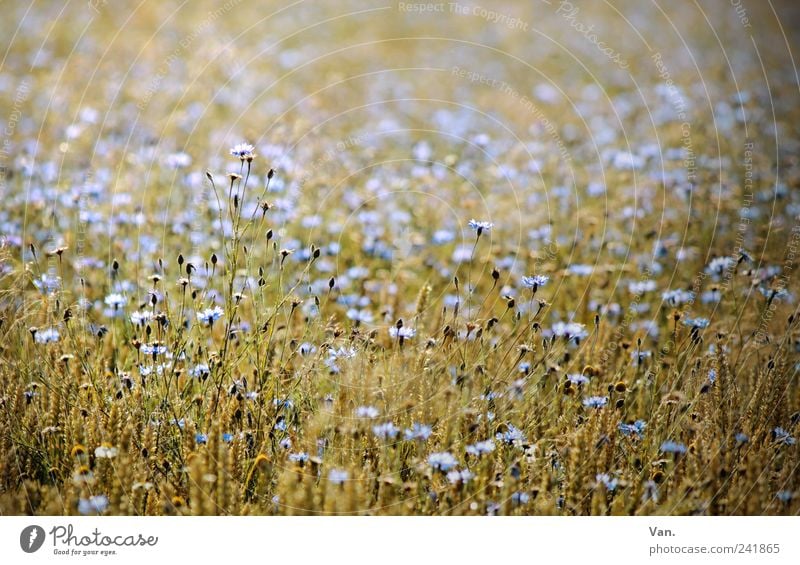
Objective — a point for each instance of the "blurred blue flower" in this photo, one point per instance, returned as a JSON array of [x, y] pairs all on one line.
[[443, 461], [418, 431], [481, 448], [671, 446], [595, 401], [93, 505]]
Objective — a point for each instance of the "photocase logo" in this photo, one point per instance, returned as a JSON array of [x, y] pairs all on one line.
[[31, 539]]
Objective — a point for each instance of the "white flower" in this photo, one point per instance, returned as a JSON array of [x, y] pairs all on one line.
[[106, 452], [243, 151], [404, 333]]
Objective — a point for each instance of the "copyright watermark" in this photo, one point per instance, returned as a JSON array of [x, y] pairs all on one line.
[[459, 9]]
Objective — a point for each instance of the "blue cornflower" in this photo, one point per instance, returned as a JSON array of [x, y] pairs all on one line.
[[227, 438], [636, 428], [578, 379], [606, 480], [49, 335], [535, 281], [570, 330], [335, 354], [402, 333], [93, 505], [773, 293], [154, 349], [307, 349], [443, 461], [243, 151], [696, 323], [201, 370], [520, 497], [641, 287], [595, 401], [360, 316], [300, 457], [480, 227], [480, 448], [741, 438], [140, 318], [441, 237], [782, 436], [511, 436], [201, 439], [650, 491], [676, 297], [670, 446], [580, 270], [286, 443], [47, 283], [455, 477], [338, 476], [210, 315], [115, 300], [285, 403], [418, 431], [385, 431], [719, 265], [367, 412]]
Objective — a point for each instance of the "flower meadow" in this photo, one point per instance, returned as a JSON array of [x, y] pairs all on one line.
[[354, 258]]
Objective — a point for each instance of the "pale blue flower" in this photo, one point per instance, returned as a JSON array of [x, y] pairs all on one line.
[[242, 151], [481, 448], [595, 401], [48, 335], [367, 412], [606, 480], [670, 446], [115, 300], [210, 315], [93, 505], [403, 333], [578, 379], [782, 436], [385, 431], [637, 428], [443, 461], [338, 476], [459, 477], [677, 297], [201, 370], [696, 323], [418, 432], [154, 349], [535, 281], [520, 497], [511, 436], [140, 318], [480, 226]]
